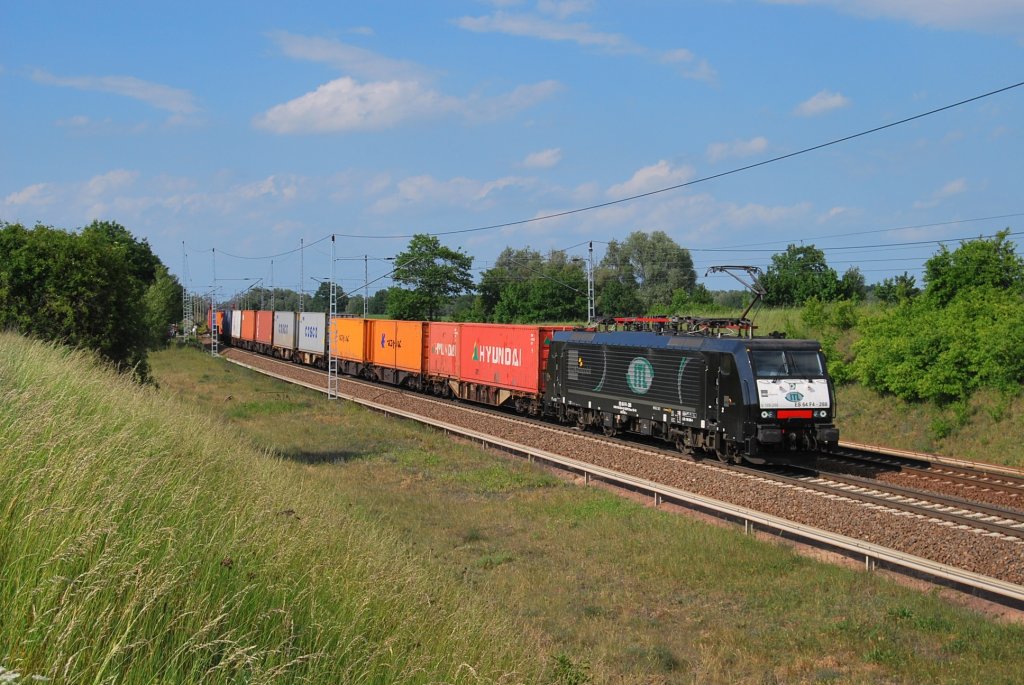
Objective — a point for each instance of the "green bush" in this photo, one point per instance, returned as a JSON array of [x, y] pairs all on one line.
[[921, 350]]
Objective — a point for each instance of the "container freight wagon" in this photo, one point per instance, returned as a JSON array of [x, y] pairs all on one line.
[[248, 336], [220, 322], [396, 351], [501, 365], [349, 341], [312, 339], [284, 335], [264, 331]]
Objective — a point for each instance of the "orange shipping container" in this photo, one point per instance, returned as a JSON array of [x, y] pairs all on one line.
[[248, 325], [443, 349], [397, 344], [348, 338], [512, 357], [220, 322], [265, 327]]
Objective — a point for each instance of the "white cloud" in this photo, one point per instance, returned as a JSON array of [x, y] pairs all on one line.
[[111, 181], [553, 27], [820, 103], [689, 66], [532, 26], [564, 8], [832, 214], [545, 159], [346, 105], [654, 177], [460, 192], [998, 16], [396, 92], [737, 148], [352, 60], [156, 95], [954, 187], [37, 194]]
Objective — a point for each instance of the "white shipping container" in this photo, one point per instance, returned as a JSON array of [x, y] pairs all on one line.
[[236, 324], [313, 332], [284, 330]]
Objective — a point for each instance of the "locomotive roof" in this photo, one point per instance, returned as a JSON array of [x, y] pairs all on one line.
[[680, 342]]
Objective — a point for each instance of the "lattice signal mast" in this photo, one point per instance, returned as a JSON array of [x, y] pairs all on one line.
[[332, 360]]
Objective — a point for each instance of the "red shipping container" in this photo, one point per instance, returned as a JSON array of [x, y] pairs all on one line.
[[443, 349], [265, 327], [512, 357], [248, 325]]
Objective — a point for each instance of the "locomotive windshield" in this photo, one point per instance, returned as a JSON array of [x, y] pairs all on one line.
[[788, 364]]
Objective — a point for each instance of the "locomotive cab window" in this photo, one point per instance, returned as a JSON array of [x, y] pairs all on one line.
[[781, 364], [806, 364]]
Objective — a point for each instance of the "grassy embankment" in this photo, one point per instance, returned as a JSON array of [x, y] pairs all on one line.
[[142, 541], [619, 592]]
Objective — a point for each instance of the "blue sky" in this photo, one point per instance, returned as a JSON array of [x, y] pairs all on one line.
[[244, 127]]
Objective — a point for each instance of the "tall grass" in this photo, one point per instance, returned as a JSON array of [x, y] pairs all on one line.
[[142, 542]]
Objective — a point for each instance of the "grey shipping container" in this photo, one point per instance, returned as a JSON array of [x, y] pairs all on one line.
[[284, 330]]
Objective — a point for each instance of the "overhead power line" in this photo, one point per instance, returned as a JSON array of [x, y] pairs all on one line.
[[702, 179]]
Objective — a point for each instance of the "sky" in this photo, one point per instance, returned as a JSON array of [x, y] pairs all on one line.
[[227, 134]]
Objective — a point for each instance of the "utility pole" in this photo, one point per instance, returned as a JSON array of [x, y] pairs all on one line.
[[273, 290], [366, 284], [302, 273], [213, 311], [591, 304]]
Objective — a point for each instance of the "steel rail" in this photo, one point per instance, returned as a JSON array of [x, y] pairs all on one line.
[[872, 554]]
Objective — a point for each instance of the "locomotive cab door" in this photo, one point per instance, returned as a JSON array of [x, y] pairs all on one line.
[[723, 403]]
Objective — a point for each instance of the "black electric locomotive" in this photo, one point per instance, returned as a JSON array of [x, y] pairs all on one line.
[[754, 399]]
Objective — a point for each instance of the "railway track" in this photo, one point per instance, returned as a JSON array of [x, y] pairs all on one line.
[[669, 476]]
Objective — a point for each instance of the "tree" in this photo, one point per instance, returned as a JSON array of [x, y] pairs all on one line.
[[527, 287], [434, 274], [852, 285], [162, 303], [898, 289], [982, 262], [652, 266], [798, 274], [321, 299], [86, 290]]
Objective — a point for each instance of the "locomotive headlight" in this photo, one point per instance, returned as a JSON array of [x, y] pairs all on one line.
[[766, 415], [822, 414]]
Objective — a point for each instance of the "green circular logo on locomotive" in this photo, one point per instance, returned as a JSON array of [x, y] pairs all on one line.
[[639, 375]]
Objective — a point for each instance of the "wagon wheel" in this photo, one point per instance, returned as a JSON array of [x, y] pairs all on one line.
[[609, 431]]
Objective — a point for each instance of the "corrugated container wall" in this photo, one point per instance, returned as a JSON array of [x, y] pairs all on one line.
[[220, 321], [265, 327], [397, 344], [510, 357], [348, 338], [236, 323], [443, 349], [248, 325], [313, 332], [284, 330]]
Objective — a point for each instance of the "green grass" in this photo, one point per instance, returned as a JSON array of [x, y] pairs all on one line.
[[615, 591], [143, 541]]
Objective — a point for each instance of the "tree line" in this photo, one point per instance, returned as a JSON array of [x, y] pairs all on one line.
[[99, 289]]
